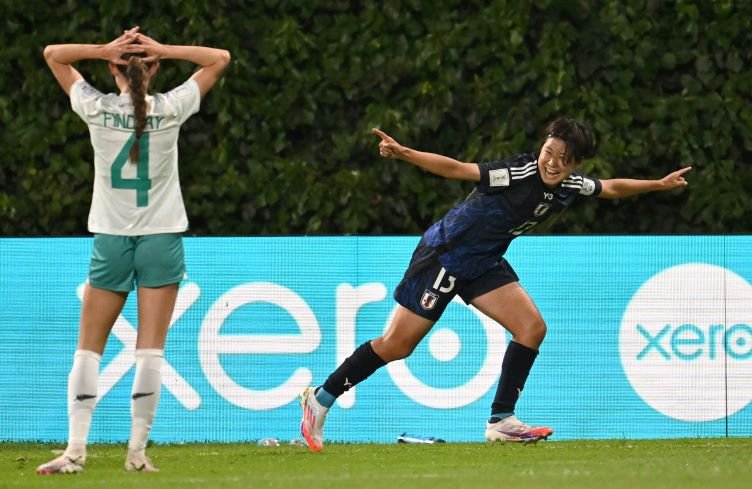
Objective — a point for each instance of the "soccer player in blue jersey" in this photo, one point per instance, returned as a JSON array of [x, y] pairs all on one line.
[[463, 254]]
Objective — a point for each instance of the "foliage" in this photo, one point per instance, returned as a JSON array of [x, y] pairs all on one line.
[[282, 144]]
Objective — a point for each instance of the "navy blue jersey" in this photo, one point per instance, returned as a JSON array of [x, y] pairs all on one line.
[[509, 200]]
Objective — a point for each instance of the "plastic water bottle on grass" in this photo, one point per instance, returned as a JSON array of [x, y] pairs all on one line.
[[408, 438]]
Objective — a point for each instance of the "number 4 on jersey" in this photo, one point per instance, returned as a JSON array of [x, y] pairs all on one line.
[[141, 184]]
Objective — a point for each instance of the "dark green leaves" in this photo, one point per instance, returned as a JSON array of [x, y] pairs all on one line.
[[282, 144]]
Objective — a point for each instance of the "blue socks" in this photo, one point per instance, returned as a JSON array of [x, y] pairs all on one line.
[[324, 398], [496, 417]]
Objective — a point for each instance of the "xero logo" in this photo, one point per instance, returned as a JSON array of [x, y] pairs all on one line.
[[690, 342], [686, 342]]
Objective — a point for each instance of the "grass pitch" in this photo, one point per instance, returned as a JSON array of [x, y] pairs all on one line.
[[696, 463]]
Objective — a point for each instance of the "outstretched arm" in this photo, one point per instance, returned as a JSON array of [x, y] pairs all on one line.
[[211, 60], [60, 57], [435, 163], [617, 188]]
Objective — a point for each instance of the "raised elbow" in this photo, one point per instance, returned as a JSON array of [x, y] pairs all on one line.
[[224, 57], [49, 52]]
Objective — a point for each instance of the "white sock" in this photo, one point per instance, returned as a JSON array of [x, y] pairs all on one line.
[[147, 384], [82, 399]]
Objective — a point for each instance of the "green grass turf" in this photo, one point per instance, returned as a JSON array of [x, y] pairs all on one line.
[[697, 463]]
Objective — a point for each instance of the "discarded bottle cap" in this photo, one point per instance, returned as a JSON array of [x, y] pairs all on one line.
[[268, 442]]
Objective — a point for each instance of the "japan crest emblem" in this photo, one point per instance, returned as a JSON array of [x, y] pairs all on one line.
[[428, 300]]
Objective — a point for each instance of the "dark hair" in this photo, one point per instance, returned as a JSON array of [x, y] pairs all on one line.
[[576, 137], [135, 73]]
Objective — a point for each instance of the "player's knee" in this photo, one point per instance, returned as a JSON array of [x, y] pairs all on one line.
[[537, 331], [404, 351], [532, 334], [392, 349]]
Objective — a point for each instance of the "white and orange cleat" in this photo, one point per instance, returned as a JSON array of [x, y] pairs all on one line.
[[312, 424], [511, 429]]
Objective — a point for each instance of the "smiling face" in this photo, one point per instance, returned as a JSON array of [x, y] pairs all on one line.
[[553, 164]]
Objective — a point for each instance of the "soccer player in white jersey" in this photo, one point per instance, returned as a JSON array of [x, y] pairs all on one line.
[[137, 217], [463, 254]]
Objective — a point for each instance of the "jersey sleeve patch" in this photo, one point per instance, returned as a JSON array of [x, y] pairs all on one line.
[[186, 99], [498, 177], [590, 186], [84, 99]]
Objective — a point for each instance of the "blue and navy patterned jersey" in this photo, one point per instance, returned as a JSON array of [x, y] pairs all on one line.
[[509, 200]]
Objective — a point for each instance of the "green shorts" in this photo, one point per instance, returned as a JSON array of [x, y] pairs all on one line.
[[120, 262]]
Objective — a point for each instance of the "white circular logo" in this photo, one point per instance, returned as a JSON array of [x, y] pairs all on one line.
[[444, 346], [686, 342]]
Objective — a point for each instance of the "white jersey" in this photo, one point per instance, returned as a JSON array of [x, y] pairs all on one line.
[[143, 197]]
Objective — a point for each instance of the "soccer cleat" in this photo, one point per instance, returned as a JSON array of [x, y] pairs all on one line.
[[511, 429], [312, 424], [138, 462], [64, 464]]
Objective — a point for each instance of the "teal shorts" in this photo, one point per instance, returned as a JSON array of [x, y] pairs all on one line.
[[118, 263]]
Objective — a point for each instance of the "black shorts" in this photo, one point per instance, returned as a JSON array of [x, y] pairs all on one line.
[[427, 288]]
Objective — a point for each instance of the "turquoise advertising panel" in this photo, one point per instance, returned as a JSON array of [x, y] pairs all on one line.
[[648, 337]]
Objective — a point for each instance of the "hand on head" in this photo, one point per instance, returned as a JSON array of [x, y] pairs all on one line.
[[388, 147], [153, 49], [124, 44], [133, 41]]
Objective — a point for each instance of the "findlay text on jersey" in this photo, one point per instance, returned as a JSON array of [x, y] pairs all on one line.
[[128, 121]]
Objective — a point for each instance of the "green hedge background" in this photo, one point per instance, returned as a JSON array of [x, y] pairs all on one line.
[[283, 146]]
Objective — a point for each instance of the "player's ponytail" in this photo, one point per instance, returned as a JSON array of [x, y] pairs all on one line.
[[136, 73]]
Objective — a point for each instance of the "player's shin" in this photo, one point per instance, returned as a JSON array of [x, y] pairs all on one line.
[[518, 360], [147, 383], [82, 399], [357, 367]]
